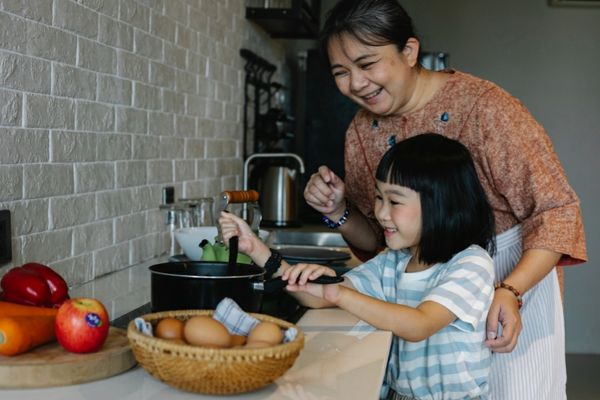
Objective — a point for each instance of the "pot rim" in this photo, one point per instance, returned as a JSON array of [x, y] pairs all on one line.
[[195, 276]]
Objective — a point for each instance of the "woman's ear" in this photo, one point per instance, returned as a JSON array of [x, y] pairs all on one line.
[[411, 51]]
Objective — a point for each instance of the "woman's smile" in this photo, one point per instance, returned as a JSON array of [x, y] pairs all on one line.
[[380, 78], [372, 97]]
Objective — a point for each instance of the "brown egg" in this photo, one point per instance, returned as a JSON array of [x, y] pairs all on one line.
[[238, 340], [256, 345], [266, 332], [169, 328], [206, 331]]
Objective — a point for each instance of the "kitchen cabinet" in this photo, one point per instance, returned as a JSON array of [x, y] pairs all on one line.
[[323, 114]]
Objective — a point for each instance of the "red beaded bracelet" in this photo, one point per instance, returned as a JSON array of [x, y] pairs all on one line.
[[502, 285]]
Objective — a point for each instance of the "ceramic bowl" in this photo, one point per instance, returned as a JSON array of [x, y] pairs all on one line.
[[189, 239]]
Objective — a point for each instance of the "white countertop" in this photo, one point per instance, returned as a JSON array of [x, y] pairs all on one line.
[[336, 363]]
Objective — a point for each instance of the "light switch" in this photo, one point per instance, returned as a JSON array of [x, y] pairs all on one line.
[[5, 239]]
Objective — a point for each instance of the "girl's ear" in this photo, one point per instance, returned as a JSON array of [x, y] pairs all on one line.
[[411, 51]]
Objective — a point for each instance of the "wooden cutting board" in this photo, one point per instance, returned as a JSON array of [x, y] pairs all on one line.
[[51, 365]]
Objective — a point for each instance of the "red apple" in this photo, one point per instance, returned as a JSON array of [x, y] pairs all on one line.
[[81, 325]]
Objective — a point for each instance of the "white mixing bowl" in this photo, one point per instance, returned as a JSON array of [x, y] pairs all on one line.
[[189, 239]]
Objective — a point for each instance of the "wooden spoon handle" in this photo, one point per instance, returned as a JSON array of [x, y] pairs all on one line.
[[241, 196]]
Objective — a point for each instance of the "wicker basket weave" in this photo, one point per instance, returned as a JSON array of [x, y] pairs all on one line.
[[212, 371]]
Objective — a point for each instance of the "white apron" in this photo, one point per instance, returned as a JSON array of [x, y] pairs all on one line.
[[535, 369]]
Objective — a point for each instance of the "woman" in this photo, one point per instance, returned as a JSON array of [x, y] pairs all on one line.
[[373, 54]]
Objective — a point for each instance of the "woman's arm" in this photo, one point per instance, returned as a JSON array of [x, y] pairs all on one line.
[[533, 266], [521, 165], [357, 231], [325, 192]]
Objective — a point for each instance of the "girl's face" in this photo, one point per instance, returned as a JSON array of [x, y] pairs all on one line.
[[378, 78], [398, 211]]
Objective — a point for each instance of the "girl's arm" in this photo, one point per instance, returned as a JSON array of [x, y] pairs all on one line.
[[250, 244], [412, 324]]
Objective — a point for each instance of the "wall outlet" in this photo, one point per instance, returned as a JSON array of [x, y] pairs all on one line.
[[168, 195], [5, 239]]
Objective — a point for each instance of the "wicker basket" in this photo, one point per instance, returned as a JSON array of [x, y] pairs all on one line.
[[212, 371]]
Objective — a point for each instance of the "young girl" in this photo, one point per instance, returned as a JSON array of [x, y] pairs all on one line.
[[432, 288]]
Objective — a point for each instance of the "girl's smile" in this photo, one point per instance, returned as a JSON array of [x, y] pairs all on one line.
[[388, 232]]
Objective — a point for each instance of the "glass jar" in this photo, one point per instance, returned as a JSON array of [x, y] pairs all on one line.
[[197, 211]]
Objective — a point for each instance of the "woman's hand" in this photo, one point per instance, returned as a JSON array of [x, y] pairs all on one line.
[[248, 242], [533, 266], [504, 311], [325, 193], [298, 278]]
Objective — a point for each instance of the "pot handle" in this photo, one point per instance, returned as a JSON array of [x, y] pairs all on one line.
[[276, 284]]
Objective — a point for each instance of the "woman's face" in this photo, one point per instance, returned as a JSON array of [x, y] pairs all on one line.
[[378, 78], [398, 211]]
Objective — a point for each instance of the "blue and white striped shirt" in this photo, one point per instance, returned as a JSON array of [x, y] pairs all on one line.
[[453, 363]]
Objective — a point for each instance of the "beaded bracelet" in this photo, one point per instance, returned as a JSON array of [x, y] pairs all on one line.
[[341, 222], [502, 285]]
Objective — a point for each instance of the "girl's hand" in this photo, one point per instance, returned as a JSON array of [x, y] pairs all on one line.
[[504, 311], [232, 225], [298, 281], [325, 192]]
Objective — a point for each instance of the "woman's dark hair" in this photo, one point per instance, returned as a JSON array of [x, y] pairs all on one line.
[[454, 208], [372, 22]]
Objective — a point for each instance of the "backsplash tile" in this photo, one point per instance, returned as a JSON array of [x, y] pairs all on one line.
[[103, 104]]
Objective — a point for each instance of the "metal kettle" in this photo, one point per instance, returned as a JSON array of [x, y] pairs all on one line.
[[278, 189]]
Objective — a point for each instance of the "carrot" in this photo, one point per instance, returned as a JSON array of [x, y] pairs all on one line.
[[20, 334], [8, 309]]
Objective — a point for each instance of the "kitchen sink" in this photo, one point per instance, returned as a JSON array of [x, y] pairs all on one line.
[[306, 239], [312, 242], [313, 245]]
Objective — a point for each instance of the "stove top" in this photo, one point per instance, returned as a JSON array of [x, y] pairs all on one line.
[[279, 305], [283, 306]]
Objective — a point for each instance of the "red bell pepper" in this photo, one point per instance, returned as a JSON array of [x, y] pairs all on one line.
[[34, 284], [25, 287], [59, 291]]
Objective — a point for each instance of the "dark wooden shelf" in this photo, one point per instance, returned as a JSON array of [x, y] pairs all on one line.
[[300, 21]]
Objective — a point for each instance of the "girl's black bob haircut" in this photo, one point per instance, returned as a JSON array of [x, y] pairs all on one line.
[[454, 208], [372, 22]]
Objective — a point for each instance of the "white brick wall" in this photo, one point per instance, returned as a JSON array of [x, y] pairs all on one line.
[[102, 103]]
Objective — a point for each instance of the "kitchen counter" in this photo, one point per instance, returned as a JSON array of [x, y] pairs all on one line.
[[338, 362]]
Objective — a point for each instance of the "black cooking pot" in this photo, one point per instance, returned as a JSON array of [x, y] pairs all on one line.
[[202, 285]]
